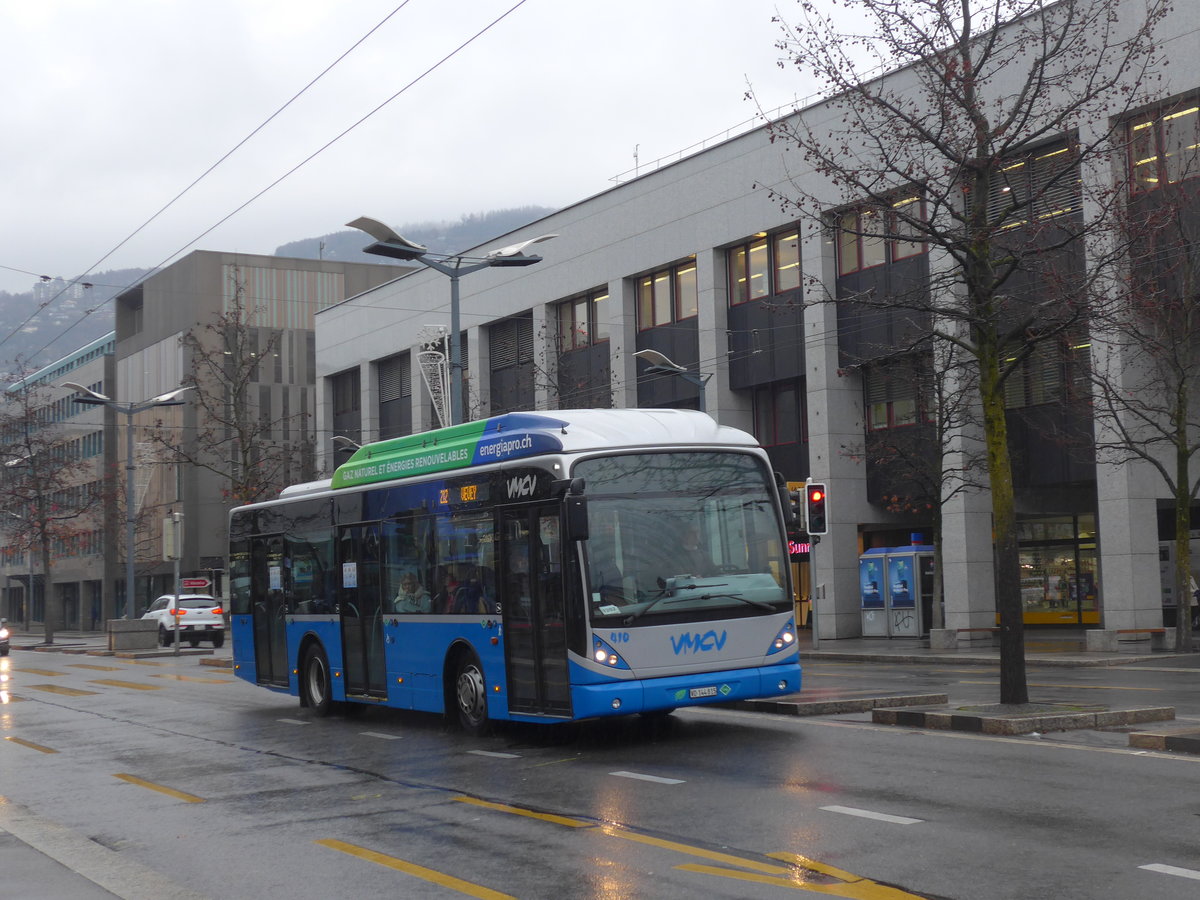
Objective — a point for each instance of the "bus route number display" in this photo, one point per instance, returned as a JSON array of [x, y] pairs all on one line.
[[468, 492]]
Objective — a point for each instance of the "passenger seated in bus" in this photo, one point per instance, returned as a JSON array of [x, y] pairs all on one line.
[[412, 598], [447, 584], [469, 599]]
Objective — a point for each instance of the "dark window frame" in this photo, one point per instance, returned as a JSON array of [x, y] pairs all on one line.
[[671, 302]]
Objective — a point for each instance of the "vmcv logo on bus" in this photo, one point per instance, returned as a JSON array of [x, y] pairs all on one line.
[[521, 486], [698, 643]]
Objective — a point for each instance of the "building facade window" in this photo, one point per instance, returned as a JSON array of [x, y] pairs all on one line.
[[1056, 371], [583, 321], [897, 393], [1040, 185], [875, 235], [767, 265], [395, 396], [1164, 146], [668, 295], [779, 413]]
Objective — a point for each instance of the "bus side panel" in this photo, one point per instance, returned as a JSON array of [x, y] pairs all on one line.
[[419, 657], [328, 633], [242, 632]]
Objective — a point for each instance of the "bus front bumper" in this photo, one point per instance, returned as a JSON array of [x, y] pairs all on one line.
[[653, 694]]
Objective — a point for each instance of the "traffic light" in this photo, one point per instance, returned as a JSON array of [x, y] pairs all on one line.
[[814, 508]]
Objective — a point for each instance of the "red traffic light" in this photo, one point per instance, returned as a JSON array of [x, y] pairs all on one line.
[[816, 495]]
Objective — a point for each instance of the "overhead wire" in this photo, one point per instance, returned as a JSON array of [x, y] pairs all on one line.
[[320, 149]]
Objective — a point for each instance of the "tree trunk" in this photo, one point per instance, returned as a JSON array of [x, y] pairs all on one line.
[[49, 606], [1183, 527], [1013, 687]]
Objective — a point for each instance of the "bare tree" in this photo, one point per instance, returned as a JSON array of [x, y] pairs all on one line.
[[47, 495], [977, 149], [257, 450], [1146, 389]]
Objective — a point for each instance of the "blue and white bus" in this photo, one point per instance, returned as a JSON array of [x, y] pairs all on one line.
[[531, 567]]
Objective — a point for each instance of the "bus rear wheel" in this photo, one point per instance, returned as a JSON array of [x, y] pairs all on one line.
[[315, 682], [470, 695]]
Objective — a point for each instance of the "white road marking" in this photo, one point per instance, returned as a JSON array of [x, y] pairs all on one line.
[[292, 721], [495, 754], [1172, 870], [380, 735], [868, 814], [641, 777]]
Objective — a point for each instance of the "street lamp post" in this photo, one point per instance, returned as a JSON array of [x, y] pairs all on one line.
[[129, 410], [659, 362], [389, 243]]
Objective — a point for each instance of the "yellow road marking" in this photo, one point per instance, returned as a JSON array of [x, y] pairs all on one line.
[[31, 745], [528, 813], [853, 887], [144, 662], [858, 889], [45, 673], [112, 682], [97, 668], [162, 789], [59, 689], [191, 678], [430, 875]]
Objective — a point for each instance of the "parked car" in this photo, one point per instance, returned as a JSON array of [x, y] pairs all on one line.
[[200, 618], [3, 637]]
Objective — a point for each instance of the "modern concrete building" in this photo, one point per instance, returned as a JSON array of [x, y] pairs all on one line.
[[148, 356], [699, 260]]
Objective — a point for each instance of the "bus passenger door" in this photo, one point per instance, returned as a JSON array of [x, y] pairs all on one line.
[[532, 599], [360, 607], [268, 609]]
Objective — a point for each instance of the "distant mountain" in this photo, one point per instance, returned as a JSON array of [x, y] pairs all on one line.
[[441, 237], [56, 317]]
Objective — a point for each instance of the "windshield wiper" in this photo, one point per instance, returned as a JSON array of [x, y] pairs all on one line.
[[666, 597], [761, 604]]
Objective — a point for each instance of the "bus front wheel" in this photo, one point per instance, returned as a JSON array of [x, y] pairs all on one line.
[[316, 686], [470, 694]]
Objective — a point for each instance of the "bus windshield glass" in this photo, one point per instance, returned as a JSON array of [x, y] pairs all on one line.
[[680, 536]]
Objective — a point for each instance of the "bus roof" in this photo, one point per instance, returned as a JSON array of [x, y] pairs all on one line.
[[523, 434]]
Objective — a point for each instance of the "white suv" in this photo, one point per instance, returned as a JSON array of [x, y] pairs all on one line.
[[199, 615]]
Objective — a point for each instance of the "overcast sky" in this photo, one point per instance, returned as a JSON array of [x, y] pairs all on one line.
[[112, 108]]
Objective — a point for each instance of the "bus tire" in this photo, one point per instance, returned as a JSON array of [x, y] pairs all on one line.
[[315, 683], [470, 695]]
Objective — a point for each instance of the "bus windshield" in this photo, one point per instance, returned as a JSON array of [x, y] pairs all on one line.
[[679, 535]]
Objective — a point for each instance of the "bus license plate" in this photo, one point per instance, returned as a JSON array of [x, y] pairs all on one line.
[[703, 692]]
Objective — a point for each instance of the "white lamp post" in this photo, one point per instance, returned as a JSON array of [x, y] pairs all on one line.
[[389, 243], [129, 410]]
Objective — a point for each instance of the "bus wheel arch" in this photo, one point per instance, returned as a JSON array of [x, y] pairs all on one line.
[[316, 681], [466, 690]]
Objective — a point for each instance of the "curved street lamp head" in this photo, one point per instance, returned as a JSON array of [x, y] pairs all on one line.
[[387, 241], [659, 360], [517, 250], [170, 397], [89, 396]]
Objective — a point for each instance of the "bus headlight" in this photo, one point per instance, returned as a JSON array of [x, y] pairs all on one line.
[[785, 640], [606, 655]]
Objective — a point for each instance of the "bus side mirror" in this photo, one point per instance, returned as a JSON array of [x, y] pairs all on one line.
[[576, 515], [789, 500]]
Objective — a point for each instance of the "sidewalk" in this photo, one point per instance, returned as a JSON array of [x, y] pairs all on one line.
[[1042, 648], [96, 643]]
